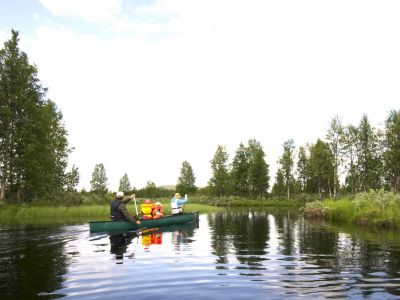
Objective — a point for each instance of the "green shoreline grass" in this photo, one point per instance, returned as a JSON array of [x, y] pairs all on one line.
[[375, 208], [345, 210], [50, 214], [14, 214]]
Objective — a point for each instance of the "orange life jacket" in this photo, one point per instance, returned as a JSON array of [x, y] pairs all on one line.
[[157, 211], [156, 238]]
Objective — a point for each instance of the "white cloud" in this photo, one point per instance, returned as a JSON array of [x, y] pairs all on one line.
[[226, 72], [89, 10]]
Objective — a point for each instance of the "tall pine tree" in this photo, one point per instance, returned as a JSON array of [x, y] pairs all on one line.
[[186, 181], [287, 162], [99, 180], [125, 184], [33, 140], [258, 174], [239, 172], [219, 182], [369, 154], [320, 166], [392, 153]]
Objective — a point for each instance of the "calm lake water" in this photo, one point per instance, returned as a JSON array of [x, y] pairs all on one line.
[[271, 254]]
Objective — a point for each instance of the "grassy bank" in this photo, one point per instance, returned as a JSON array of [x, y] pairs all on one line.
[[17, 214], [377, 208], [50, 214]]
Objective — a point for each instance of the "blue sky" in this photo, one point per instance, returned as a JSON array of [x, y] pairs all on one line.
[[144, 85]]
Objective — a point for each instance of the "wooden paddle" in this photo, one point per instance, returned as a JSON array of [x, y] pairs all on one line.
[[134, 199]]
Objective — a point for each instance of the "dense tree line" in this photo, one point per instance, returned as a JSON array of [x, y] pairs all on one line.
[[246, 176], [351, 159], [363, 156]]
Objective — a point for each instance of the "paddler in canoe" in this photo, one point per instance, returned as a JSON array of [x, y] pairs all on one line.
[[177, 204], [118, 210]]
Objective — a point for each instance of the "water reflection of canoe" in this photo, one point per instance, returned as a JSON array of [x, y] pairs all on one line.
[[123, 225], [175, 227]]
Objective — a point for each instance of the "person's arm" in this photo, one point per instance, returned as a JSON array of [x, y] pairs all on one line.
[[125, 212], [127, 199], [184, 200]]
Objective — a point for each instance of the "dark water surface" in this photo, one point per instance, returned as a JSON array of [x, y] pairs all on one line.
[[273, 254]]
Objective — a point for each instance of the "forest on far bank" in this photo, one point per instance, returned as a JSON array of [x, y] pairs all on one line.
[[34, 154]]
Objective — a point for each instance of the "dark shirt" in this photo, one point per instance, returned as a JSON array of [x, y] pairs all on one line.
[[119, 211]]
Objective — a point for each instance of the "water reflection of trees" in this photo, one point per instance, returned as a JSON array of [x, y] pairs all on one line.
[[246, 233], [30, 264], [366, 263], [332, 257]]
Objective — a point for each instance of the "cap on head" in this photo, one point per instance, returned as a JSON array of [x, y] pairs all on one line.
[[158, 204], [177, 195], [120, 195]]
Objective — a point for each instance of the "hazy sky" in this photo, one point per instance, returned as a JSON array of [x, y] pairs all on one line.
[[144, 85]]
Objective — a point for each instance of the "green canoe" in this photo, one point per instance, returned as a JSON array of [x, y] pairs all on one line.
[[124, 225]]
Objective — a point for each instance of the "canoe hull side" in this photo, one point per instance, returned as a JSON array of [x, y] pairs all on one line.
[[123, 225]]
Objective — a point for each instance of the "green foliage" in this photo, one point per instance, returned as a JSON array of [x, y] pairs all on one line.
[[99, 180], [340, 210], [378, 208], [95, 198], [287, 162], [219, 182], [303, 198], [377, 198], [392, 153], [335, 139], [12, 214], [231, 201], [363, 152], [258, 173], [369, 163], [239, 172], [150, 189], [186, 181], [350, 150], [320, 168], [33, 143], [72, 179], [125, 185], [302, 171], [279, 188]]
